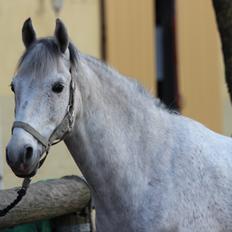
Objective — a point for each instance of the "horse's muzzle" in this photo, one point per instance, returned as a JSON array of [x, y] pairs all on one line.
[[22, 157], [23, 167]]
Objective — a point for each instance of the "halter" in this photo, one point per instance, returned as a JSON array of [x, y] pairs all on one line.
[[59, 132]]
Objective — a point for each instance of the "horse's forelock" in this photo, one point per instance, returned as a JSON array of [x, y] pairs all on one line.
[[44, 54]]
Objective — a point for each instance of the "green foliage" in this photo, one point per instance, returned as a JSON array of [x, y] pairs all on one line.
[[40, 226]]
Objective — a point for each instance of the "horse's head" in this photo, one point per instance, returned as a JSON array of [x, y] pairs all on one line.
[[44, 98]]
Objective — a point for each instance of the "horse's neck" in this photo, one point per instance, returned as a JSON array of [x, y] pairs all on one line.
[[109, 141]]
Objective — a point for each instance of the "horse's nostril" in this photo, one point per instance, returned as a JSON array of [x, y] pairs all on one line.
[[28, 153]]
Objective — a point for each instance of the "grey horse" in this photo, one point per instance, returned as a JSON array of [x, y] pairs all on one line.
[[149, 169]]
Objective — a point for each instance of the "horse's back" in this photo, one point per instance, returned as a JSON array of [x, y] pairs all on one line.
[[199, 195]]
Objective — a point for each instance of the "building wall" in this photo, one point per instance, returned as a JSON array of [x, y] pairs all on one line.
[[200, 67], [130, 47], [83, 23], [130, 43]]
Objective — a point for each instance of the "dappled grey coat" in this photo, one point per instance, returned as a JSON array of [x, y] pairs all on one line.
[[149, 170]]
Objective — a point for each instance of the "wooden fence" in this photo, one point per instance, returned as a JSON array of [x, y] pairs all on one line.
[[64, 201]]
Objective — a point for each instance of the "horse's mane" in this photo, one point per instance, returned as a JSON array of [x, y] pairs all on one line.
[[44, 53], [100, 66]]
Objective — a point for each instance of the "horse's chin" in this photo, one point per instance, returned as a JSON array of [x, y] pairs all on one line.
[[27, 173]]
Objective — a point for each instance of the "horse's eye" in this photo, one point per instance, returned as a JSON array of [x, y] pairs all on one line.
[[57, 87], [12, 87]]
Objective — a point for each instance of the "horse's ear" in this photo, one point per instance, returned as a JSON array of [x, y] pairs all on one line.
[[28, 33], [61, 35]]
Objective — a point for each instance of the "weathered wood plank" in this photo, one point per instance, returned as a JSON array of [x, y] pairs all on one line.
[[45, 199]]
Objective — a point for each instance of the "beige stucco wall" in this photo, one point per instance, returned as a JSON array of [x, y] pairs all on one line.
[[83, 23], [200, 67], [130, 39], [130, 48]]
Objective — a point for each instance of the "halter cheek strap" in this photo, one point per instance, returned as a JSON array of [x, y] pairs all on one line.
[[60, 131]]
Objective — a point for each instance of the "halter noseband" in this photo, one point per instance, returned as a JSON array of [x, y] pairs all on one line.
[[59, 132]]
